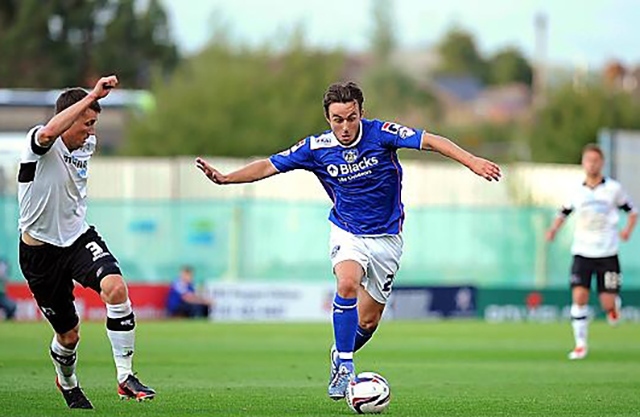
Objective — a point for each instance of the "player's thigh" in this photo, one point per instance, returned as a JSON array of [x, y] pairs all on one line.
[[345, 247], [50, 284], [384, 262], [608, 275], [91, 260], [582, 269]]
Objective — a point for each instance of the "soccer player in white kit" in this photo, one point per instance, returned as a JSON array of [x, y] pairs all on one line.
[[57, 246], [595, 244], [357, 164]]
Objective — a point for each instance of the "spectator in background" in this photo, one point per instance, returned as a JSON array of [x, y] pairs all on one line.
[[6, 303], [183, 301]]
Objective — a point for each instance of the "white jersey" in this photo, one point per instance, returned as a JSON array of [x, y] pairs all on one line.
[[52, 190], [596, 231]]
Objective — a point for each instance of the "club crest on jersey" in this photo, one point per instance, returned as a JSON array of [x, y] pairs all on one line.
[[350, 155], [396, 129]]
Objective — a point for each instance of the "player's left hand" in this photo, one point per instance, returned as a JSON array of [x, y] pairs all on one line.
[[486, 169], [625, 234], [210, 172]]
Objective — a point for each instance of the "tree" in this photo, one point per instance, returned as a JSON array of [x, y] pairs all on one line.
[[459, 55], [148, 44], [507, 66], [383, 39], [573, 117], [58, 43], [390, 92], [236, 101]]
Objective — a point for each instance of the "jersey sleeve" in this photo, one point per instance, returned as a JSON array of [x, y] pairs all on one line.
[[623, 202], [296, 157], [396, 136], [34, 146], [567, 208]]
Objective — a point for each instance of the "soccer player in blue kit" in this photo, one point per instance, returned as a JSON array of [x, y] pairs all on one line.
[[357, 164]]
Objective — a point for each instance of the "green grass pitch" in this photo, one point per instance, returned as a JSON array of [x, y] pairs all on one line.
[[450, 368]]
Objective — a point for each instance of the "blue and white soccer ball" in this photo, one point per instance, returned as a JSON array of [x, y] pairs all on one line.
[[368, 393]]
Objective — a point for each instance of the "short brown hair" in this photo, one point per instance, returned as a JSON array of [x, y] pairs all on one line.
[[592, 147], [71, 96], [343, 92]]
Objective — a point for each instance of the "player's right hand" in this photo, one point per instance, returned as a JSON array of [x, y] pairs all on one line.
[[550, 235], [210, 172], [104, 86]]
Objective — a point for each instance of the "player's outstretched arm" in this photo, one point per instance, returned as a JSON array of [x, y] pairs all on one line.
[[63, 120], [255, 171], [625, 233], [555, 226], [482, 167]]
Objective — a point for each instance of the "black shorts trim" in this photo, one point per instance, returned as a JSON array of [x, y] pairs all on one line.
[[606, 269]]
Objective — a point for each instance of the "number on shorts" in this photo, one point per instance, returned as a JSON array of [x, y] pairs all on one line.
[[612, 280], [388, 283]]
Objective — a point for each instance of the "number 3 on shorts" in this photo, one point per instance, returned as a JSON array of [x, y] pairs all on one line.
[[95, 250]]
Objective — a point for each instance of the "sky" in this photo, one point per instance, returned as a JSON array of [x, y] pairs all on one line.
[[579, 32]]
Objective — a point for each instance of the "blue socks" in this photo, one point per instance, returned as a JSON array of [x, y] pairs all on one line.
[[345, 323], [362, 337]]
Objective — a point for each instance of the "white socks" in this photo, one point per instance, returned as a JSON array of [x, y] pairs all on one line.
[[64, 361], [580, 323], [121, 331]]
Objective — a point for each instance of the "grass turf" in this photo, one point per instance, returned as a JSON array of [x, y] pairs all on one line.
[[452, 368]]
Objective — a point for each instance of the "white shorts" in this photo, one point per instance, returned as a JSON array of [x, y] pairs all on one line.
[[379, 257]]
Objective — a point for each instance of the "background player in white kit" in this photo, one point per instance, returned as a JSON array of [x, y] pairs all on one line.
[[57, 246], [357, 164], [595, 244]]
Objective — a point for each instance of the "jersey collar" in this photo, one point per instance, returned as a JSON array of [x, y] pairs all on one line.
[[584, 183], [355, 142]]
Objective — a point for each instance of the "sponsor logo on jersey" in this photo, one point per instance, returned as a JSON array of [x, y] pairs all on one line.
[[354, 170], [322, 141], [396, 129], [72, 160]]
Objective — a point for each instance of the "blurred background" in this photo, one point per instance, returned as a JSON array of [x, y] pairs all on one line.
[[527, 84]]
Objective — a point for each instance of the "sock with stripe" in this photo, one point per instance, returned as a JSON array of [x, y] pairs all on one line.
[[345, 322]]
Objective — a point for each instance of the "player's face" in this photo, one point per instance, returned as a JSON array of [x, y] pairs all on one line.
[[344, 119], [592, 163], [81, 129]]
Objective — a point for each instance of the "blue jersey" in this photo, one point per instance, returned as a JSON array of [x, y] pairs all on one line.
[[363, 179]]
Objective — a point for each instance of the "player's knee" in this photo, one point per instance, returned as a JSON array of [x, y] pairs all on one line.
[[69, 339], [370, 324], [114, 289], [348, 286]]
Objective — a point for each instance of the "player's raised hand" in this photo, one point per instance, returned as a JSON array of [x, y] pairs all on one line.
[[104, 86], [210, 172], [488, 170]]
